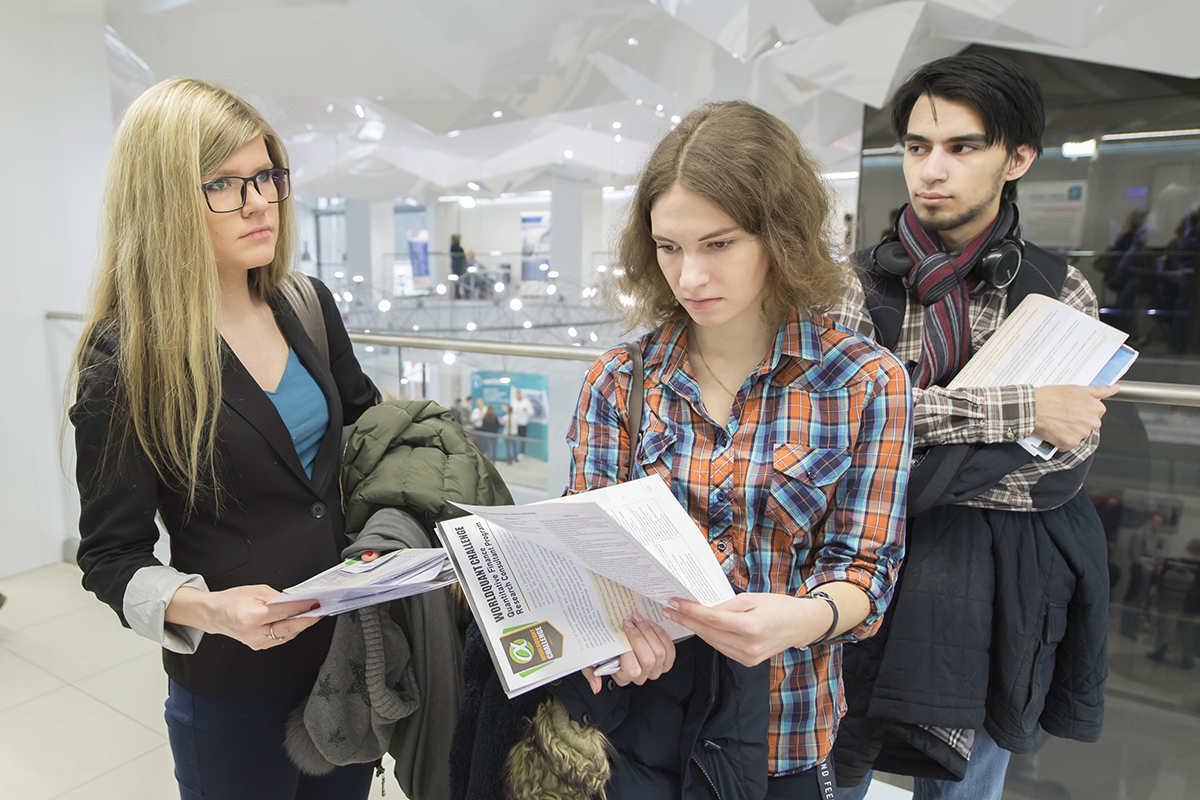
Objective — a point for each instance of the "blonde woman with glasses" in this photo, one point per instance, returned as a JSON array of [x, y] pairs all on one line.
[[201, 400]]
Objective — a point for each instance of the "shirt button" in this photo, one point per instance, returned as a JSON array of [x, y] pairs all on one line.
[[1010, 434], [722, 495], [317, 510], [721, 547]]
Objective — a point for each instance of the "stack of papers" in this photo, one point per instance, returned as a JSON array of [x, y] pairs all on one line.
[[357, 583], [1048, 343], [551, 584]]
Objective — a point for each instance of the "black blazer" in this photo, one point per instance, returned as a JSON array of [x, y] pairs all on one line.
[[270, 524]]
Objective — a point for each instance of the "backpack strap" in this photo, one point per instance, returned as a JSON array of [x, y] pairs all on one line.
[[634, 403], [1041, 272], [300, 294], [886, 300]]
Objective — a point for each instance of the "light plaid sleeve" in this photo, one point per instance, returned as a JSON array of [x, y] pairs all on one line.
[[851, 310]]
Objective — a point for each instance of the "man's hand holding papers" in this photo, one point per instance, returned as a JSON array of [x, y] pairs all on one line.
[[1066, 415]]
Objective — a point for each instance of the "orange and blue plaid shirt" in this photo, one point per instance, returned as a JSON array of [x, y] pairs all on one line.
[[803, 485]]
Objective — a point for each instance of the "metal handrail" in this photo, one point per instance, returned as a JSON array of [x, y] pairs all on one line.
[[1169, 394], [490, 347]]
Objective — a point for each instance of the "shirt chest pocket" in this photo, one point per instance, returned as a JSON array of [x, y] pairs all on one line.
[[655, 452], [803, 485]]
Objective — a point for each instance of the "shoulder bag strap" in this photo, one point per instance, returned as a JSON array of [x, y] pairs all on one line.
[[634, 402], [302, 297]]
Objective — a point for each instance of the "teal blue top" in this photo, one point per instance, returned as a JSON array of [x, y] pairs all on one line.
[[301, 405]]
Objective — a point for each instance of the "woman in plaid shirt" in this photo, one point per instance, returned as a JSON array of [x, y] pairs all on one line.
[[786, 437]]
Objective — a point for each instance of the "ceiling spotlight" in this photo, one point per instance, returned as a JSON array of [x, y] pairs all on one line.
[[601, 268], [470, 326], [568, 154], [515, 304], [452, 134], [385, 305], [593, 336], [543, 266], [551, 289], [618, 137], [616, 126], [735, 55], [339, 274], [349, 298], [572, 332], [527, 324], [675, 118], [466, 201], [499, 287], [358, 279], [639, 101], [369, 349], [658, 107], [778, 45], [329, 108], [472, 185], [451, 277], [416, 327], [633, 42], [359, 110], [587, 293], [404, 381], [448, 358], [411, 202], [472, 269], [497, 114], [505, 379], [441, 288], [552, 273]]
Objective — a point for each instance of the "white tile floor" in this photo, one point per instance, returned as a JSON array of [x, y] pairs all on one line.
[[81, 700]]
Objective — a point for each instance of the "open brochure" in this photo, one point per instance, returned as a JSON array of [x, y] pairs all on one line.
[[551, 584], [355, 583], [1047, 343]]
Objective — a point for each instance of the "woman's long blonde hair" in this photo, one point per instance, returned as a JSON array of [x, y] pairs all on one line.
[[156, 289]]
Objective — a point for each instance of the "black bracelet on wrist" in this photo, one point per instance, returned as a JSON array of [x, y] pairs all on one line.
[[825, 637]]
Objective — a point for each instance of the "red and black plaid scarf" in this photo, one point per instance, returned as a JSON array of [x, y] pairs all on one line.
[[940, 281]]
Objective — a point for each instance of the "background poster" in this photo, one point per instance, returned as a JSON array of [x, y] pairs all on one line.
[[1052, 212], [535, 245], [534, 388], [418, 256]]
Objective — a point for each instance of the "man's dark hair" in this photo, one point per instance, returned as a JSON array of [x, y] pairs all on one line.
[[1003, 94]]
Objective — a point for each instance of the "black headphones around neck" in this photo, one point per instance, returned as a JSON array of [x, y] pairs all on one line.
[[997, 264]]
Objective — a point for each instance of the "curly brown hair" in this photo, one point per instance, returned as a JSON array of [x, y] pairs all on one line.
[[752, 166]]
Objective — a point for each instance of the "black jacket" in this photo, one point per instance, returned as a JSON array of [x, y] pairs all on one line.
[[668, 745], [999, 620], [276, 525]]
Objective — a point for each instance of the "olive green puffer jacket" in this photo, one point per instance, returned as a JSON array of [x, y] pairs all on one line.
[[411, 454]]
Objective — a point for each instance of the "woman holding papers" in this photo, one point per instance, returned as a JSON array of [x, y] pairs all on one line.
[[202, 400], [786, 437]]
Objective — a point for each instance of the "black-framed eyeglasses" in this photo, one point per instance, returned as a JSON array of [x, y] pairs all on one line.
[[228, 193]]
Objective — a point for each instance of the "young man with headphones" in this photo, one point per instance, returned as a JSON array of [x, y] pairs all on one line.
[[998, 627]]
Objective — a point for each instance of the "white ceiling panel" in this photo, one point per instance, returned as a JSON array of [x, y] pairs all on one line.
[[520, 84]]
